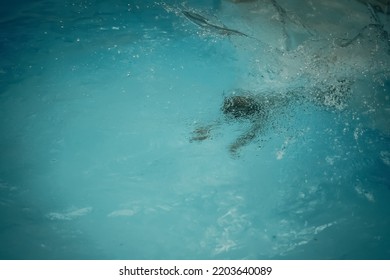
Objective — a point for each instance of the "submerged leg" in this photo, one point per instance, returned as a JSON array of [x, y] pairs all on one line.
[[246, 138]]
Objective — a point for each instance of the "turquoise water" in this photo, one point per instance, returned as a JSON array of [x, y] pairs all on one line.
[[99, 103]]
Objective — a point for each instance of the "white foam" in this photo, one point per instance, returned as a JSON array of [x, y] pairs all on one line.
[[69, 215]]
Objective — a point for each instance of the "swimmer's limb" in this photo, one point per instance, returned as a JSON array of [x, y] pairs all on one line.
[[204, 132], [201, 133], [245, 139]]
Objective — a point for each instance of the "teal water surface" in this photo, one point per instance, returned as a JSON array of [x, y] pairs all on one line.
[[102, 152]]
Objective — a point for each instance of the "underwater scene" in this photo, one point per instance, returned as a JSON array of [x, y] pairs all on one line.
[[210, 129]]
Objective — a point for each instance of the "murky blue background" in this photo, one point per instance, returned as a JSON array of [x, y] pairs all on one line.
[[99, 101]]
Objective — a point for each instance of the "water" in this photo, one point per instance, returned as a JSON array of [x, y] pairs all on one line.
[[99, 102]]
